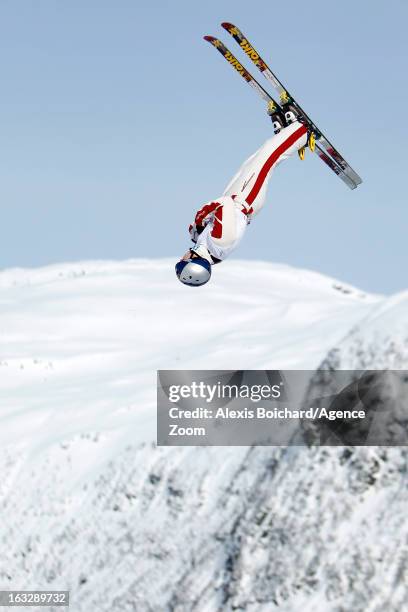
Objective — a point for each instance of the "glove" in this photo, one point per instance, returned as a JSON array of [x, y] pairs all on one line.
[[194, 231]]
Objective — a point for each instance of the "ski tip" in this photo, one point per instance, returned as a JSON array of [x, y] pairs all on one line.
[[229, 26], [209, 38], [232, 29]]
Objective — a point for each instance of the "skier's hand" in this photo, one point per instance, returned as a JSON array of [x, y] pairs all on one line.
[[194, 231]]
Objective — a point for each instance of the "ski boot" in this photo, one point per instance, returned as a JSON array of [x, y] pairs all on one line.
[[277, 117], [291, 115]]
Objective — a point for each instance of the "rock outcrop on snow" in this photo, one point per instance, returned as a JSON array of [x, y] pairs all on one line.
[[90, 504], [375, 352]]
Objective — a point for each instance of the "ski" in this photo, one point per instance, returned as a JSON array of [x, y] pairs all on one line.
[[261, 91], [286, 97], [240, 69]]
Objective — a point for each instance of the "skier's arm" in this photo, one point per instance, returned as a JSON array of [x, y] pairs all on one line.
[[203, 215], [201, 219]]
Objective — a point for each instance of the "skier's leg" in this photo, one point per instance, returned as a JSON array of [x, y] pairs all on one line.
[[250, 183]]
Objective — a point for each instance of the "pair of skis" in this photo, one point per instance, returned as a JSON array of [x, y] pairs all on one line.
[[323, 148]]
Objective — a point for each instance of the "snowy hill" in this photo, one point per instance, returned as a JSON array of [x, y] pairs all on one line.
[[89, 503]]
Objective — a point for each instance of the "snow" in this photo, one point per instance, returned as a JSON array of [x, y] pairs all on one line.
[[91, 505], [81, 343]]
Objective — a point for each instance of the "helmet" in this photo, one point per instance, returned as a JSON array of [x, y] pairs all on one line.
[[194, 272]]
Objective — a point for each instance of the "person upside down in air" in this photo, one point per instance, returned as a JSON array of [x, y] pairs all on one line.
[[220, 224]]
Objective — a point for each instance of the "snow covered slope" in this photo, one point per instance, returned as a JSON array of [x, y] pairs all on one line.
[[81, 343], [89, 503]]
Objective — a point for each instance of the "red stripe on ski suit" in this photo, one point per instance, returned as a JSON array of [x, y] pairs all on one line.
[[217, 228], [272, 159]]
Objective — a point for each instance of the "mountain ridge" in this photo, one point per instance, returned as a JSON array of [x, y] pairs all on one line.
[[92, 505]]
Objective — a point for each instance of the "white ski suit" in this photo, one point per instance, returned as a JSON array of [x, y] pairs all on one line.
[[225, 219]]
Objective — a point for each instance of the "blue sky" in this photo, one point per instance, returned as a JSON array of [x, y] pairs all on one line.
[[118, 121]]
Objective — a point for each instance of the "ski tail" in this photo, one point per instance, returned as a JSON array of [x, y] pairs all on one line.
[[320, 152], [286, 97]]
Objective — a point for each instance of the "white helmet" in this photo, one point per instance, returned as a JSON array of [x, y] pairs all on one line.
[[194, 272]]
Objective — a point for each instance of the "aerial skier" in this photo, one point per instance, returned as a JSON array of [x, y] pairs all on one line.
[[220, 224]]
